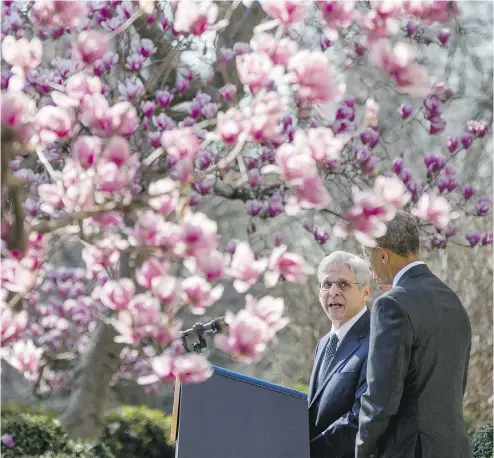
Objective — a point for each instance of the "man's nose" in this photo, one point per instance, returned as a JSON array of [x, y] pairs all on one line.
[[335, 289]]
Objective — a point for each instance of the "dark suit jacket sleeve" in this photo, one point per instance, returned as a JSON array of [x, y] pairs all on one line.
[[339, 438], [465, 375], [390, 345]]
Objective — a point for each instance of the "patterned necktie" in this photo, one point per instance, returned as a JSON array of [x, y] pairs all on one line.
[[329, 353]]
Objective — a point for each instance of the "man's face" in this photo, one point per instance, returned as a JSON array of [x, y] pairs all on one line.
[[373, 256], [340, 295]]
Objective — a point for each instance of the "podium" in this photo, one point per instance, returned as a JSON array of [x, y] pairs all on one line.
[[231, 415]]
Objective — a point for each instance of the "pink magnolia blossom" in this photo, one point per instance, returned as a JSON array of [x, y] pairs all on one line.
[[112, 178], [57, 13], [192, 368], [150, 269], [294, 163], [312, 77], [309, 192], [143, 319], [166, 196], [431, 11], [117, 151], [77, 193], [181, 143], [116, 294], [337, 14], [210, 263], [230, 125], [53, 123], [397, 64], [51, 197], [26, 358], [16, 276], [125, 119], [86, 150], [166, 289], [90, 46], [254, 69], [198, 235], [80, 85], [17, 111], [101, 255], [371, 209], [162, 366], [244, 267], [435, 209], [371, 112], [377, 25], [291, 266], [320, 143], [270, 309], [125, 325], [247, 336], [147, 314], [286, 11], [151, 229], [228, 91], [23, 55], [195, 17], [11, 325], [263, 117], [95, 113], [392, 191], [198, 294], [280, 51], [167, 367]]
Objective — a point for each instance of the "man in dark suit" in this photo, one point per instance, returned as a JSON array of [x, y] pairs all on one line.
[[338, 376], [420, 338]]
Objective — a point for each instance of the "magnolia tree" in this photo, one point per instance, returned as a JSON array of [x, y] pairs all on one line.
[[110, 138]]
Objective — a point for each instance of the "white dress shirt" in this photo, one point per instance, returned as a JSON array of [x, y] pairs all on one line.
[[402, 271], [342, 331]]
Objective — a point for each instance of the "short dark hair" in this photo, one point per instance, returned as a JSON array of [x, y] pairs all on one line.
[[402, 235]]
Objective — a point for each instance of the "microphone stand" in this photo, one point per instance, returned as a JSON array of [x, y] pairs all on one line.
[[199, 330]]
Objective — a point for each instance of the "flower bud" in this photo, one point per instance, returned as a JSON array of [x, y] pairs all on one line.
[[452, 144], [467, 140], [405, 110], [468, 191], [443, 36], [473, 238]]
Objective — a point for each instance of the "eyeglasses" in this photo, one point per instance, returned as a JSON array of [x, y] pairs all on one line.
[[343, 285]]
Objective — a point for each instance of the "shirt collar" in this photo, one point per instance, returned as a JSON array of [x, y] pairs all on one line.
[[342, 331], [400, 273]]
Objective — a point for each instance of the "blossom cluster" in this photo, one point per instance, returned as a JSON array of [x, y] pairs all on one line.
[[122, 163]]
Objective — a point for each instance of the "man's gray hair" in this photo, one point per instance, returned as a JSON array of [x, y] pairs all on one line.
[[355, 263], [402, 235]]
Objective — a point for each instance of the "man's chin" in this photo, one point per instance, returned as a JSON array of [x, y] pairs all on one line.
[[336, 312]]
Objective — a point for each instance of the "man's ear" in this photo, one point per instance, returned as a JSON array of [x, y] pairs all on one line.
[[367, 291], [383, 253]]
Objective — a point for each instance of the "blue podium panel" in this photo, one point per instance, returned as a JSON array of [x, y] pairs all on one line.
[[235, 416]]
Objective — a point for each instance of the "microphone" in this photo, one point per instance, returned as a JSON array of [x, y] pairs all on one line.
[[200, 329]]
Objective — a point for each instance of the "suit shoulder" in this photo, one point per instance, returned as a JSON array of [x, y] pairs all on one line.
[[390, 299], [389, 304]]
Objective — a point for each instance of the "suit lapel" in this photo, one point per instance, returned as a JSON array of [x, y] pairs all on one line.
[[349, 345], [317, 364]]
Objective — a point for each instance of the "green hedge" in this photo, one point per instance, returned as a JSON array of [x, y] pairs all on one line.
[[482, 443], [138, 432], [129, 432]]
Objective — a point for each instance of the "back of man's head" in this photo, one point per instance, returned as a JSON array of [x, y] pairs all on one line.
[[402, 235]]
